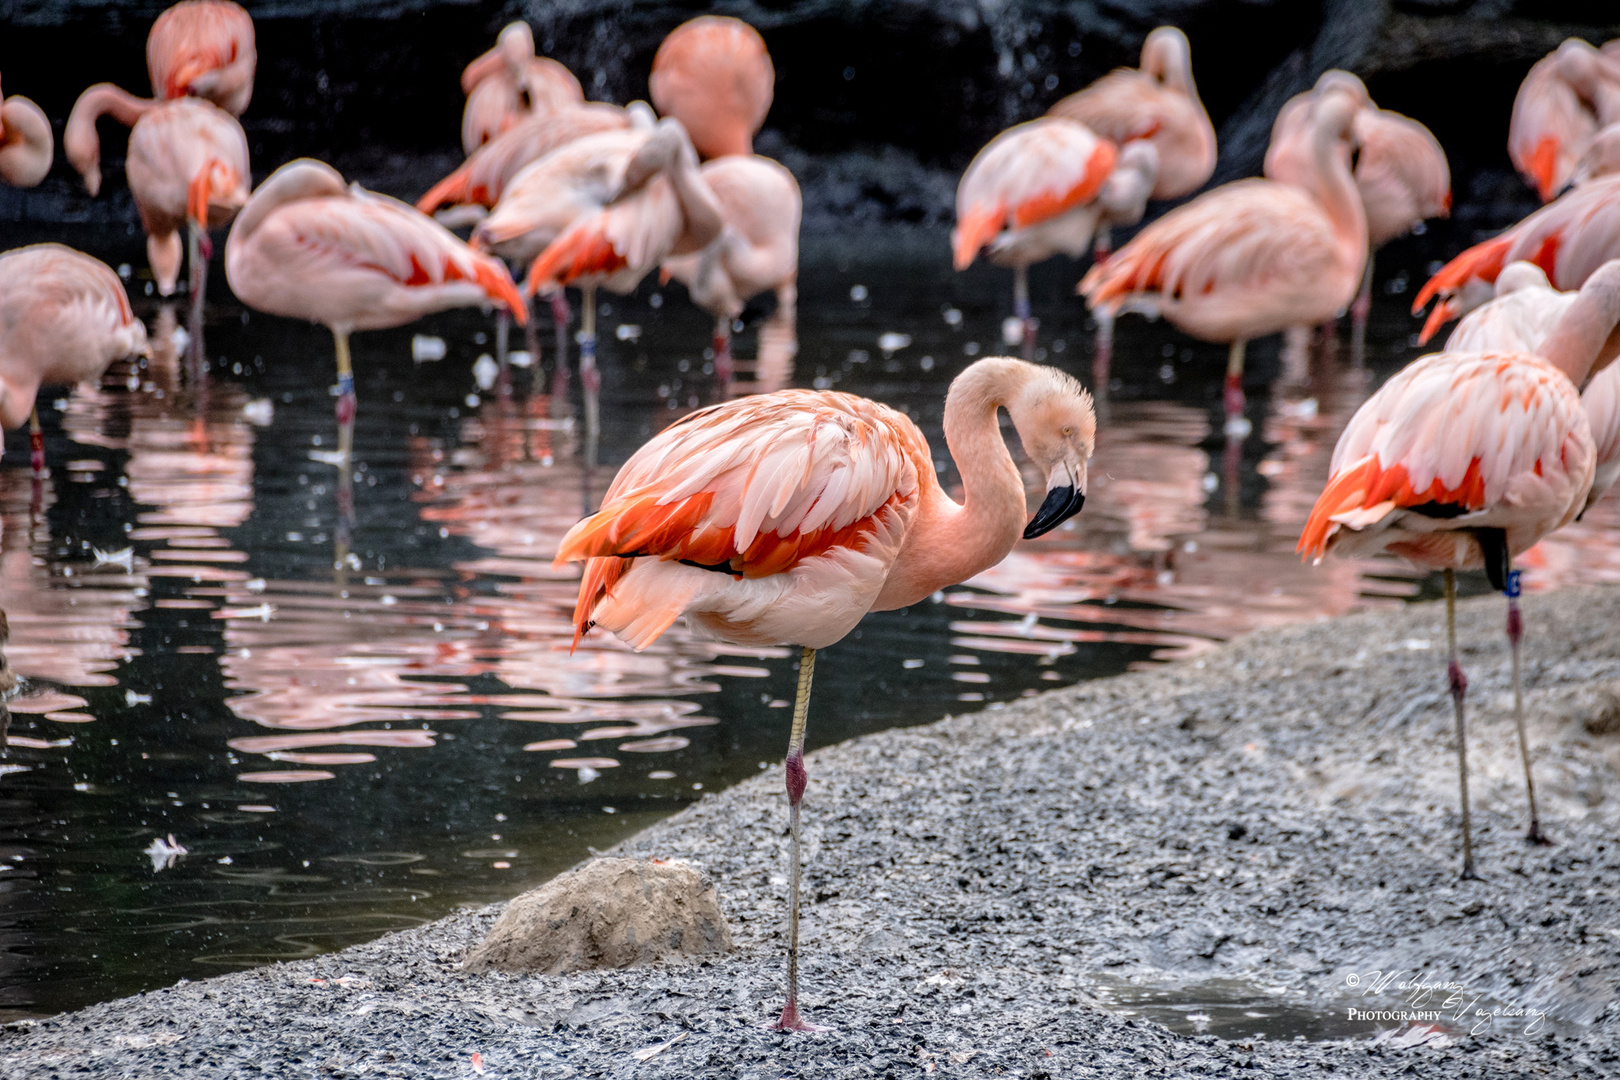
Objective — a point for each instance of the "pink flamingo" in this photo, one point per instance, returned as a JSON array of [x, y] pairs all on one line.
[[509, 83], [715, 75], [187, 165], [308, 246], [786, 517], [1568, 238], [1568, 95], [26, 144], [1522, 317], [1252, 257], [1400, 171], [1157, 102], [603, 211], [1464, 460], [63, 318], [203, 48], [1044, 188]]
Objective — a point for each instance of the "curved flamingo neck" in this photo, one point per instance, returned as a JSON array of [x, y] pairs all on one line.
[[1333, 185], [949, 542], [81, 143], [1587, 337], [301, 179], [698, 204]]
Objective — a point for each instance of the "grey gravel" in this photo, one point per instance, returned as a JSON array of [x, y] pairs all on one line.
[[1280, 812]]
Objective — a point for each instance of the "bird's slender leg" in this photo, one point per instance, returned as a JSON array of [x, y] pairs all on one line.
[[36, 444], [1360, 308], [1232, 393], [1102, 245], [345, 479], [723, 371], [1102, 362], [1021, 309], [590, 380], [1459, 690], [345, 375], [1515, 633], [197, 257], [560, 317], [793, 767]]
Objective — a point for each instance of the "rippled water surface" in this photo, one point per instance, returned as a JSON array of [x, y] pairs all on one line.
[[352, 728]]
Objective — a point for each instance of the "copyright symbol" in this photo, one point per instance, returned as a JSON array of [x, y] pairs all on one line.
[[1352, 979]]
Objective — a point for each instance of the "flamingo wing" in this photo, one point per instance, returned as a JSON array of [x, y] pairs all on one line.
[[1601, 400], [752, 488], [1028, 174], [1401, 172], [1550, 128], [1459, 441]]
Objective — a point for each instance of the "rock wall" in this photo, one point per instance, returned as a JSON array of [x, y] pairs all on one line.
[[880, 103]]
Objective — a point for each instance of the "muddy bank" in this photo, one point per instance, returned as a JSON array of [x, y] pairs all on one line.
[[1279, 815]]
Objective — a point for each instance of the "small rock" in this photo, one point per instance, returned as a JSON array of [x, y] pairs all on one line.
[[609, 913]]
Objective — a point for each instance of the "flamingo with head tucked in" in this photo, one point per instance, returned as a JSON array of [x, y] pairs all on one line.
[[509, 83], [206, 49], [715, 75], [26, 143], [1568, 96], [1464, 460], [1157, 102], [786, 517]]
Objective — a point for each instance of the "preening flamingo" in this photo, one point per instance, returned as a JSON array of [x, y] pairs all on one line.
[[26, 143], [603, 210], [1465, 459], [1399, 167], [715, 76], [1568, 238], [63, 318], [786, 517], [757, 249], [308, 246], [1041, 189], [1566, 98], [509, 83], [203, 48], [1252, 257], [187, 165], [1157, 102]]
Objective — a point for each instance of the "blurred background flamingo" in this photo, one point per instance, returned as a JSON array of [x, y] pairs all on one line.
[[206, 49], [510, 83], [1568, 96], [26, 142]]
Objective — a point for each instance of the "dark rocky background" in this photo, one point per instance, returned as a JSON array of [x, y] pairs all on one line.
[[879, 103]]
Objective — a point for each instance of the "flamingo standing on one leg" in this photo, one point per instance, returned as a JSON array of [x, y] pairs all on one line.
[[1566, 98], [1157, 102], [63, 318], [187, 165], [1399, 167], [714, 74], [1466, 459], [203, 48], [508, 83], [786, 517], [26, 144], [1249, 258], [1568, 238], [603, 210], [309, 246]]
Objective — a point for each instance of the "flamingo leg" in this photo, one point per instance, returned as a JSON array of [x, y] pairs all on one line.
[[36, 444], [590, 380], [793, 767], [197, 252], [503, 334], [345, 374], [345, 478], [1102, 362], [560, 317], [1459, 690], [1515, 633], [722, 351], [1360, 308], [1021, 309], [1232, 396]]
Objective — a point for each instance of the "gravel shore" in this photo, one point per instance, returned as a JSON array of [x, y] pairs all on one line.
[[1276, 818]]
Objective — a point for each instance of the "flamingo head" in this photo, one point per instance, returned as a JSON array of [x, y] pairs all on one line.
[[1058, 427]]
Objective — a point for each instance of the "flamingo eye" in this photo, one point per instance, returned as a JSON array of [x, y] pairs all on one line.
[[1068, 432]]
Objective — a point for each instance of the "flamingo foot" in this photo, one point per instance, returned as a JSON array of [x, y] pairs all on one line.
[[792, 1021], [36, 454], [1237, 425], [723, 369]]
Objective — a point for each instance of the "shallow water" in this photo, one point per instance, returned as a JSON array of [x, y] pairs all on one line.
[[356, 727]]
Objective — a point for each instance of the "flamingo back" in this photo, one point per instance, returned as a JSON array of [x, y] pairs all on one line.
[[26, 142], [1601, 399], [759, 247], [1127, 104], [547, 196], [484, 177], [714, 74], [187, 158], [204, 48], [1401, 172]]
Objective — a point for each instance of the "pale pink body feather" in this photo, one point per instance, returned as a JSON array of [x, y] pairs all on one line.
[[758, 248], [206, 49], [26, 142], [484, 177]]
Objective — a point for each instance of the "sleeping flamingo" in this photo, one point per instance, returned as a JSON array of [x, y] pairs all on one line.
[[1399, 167], [63, 318], [203, 48], [1251, 257], [187, 165], [1566, 98], [26, 144], [1044, 188], [1465, 459], [1157, 102], [509, 83], [308, 246], [1568, 238], [603, 210], [786, 517], [714, 74]]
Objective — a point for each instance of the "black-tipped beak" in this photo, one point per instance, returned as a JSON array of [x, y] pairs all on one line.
[[1061, 504]]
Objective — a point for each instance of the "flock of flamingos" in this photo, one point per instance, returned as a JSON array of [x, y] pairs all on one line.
[[785, 517]]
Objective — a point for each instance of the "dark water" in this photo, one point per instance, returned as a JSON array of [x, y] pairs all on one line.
[[349, 749]]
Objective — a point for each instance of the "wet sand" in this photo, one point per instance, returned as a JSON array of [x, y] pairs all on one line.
[[1280, 812]]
